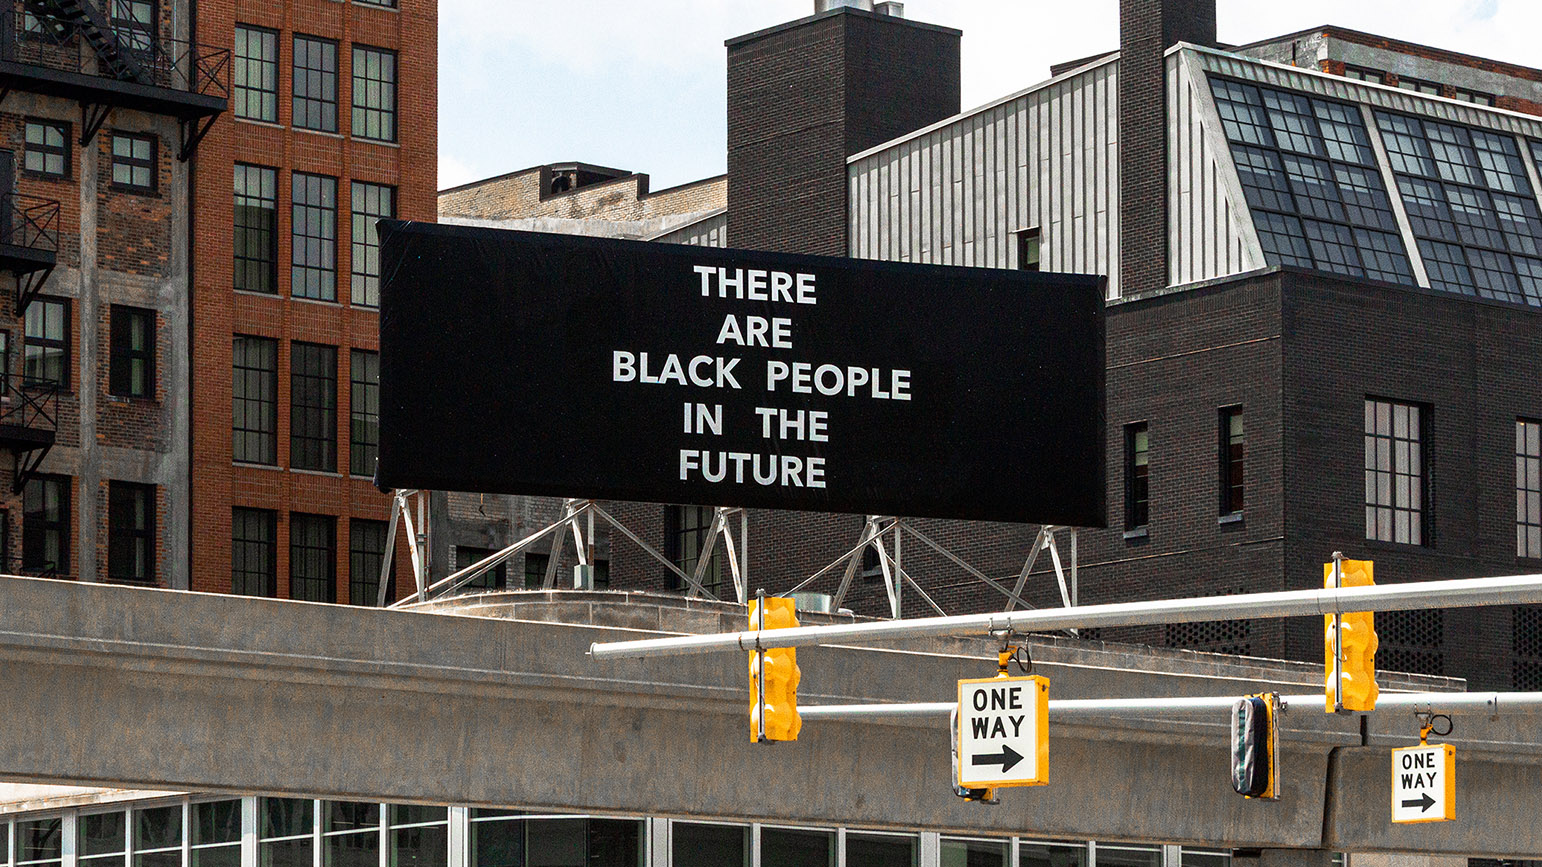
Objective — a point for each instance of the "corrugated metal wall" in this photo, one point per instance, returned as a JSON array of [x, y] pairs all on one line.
[[957, 193], [709, 231], [1210, 230]]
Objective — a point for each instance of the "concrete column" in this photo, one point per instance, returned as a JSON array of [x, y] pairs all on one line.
[[88, 473]]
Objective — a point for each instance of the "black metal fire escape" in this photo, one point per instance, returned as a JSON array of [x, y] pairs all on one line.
[[70, 48]]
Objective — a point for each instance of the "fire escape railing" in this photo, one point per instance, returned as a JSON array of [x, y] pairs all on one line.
[[74, 36]]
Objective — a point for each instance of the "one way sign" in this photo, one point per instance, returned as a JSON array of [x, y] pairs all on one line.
[[1003, 732], [1424, 784]]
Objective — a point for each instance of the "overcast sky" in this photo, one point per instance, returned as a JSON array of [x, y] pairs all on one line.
[[639, 84]]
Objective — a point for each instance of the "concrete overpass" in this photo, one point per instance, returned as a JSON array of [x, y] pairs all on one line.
[[490, 701]]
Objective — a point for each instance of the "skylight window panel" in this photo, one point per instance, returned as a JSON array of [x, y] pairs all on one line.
[[1494, 275], [1263, 178], [1365, 201], [1447, 266], [1528, 273], [1501, 162], [1406, 147], [1333, 248], [1520, 222], [1312, 182], [1382, 256], [1343, 132], [1290, 116], [1453, 153], [1476, 223], [1242, 113], [1428, 211], [1282, 239]]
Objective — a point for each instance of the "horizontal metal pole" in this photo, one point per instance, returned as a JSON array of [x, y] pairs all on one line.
[[1485, 703], [1461, 593]]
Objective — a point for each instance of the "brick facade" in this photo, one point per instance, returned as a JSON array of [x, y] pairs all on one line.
[[804, 96], [409, 165], [528, 194]]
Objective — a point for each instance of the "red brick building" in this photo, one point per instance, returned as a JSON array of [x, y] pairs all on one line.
[[332, 125]]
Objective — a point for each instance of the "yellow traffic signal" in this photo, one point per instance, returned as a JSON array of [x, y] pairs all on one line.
[[781, 676], [1355, 663]]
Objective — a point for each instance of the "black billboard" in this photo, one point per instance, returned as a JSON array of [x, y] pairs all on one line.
[[555, 365]]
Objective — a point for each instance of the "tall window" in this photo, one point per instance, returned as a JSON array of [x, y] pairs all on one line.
[[313, 407], [370, 202], [313, 233], [45, 525], [1395, 479], [315, 83], [364, 437], [256, 222], [133, 162], [686, 529], [374, 93], [1028, 249], [254, 552], [312, 557], [132, 362], [535, 572], [131, 532], [495, 578], [48, 341], [1137, 479], [256, 73], [254, 400], [388, 4], [48, 148], [1232, 458], [366, 554], [1528, 488]]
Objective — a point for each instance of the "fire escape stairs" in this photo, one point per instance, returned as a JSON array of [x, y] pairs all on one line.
[[116, 59]]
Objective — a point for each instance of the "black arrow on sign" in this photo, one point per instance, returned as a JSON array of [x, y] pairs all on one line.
[[1006, 759], [1423, 802]]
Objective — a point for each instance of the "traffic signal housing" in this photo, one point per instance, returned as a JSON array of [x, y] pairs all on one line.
[[1356, 645], [1255, 749], [779, 679]]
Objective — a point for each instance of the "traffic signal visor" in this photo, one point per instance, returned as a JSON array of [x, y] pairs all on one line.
[[779, 679], [1357, 644]]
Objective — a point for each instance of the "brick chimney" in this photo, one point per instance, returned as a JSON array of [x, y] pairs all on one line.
[[1147, 28], [805, 95]]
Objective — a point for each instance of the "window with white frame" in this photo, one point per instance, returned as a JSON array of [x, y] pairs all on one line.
[[286, 832], [957, 852], [709, 843], [1395, 472], [214, 835], [40, 842], [1035, 853], [101, 839], [158, 836], [350, 834], [420, 836]]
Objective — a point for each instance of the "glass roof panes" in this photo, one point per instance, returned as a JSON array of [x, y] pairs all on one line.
[[1470, 205], [1303, 164]]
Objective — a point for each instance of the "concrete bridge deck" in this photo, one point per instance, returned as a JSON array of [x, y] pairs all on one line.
[[497, 705]]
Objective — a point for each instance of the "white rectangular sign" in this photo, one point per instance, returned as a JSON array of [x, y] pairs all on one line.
[[1003, 732], [1424, 784]]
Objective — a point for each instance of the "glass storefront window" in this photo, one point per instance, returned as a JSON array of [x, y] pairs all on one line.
[[216, 834], [1032, 853], [1129, 856], [350, 834], [286, 828], [101, 839], [710, 845], [796, 847], [158, 836], [975, 853], [40, 841], [880, 850], [420, 836]]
